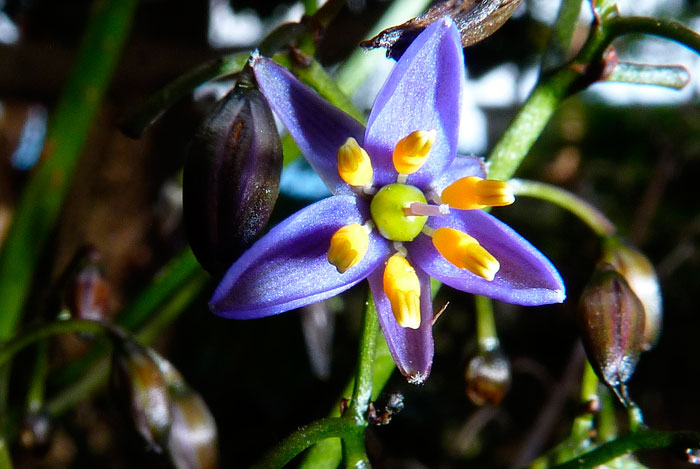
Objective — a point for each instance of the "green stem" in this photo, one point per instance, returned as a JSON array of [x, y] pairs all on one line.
[[179, 297], [590, 215], [362, 392], [670, 76], [40, 203], [606, 426], [643, 439], [5, 457], [44, 331], [310, 6], [37, 385], [509, 152], [485, 323], [562, 32], [306, 436], [589, 392]]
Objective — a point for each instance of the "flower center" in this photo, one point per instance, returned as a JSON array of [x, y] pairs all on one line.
[[388, 208]]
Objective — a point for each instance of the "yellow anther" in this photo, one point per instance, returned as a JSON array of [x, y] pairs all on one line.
[[465, 252], [412, 151], [354, 165], [402, 287], [472, 192], [348, 247]]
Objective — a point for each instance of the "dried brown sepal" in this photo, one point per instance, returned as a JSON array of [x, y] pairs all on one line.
[[611, 319], [488, 377], [476, 20]]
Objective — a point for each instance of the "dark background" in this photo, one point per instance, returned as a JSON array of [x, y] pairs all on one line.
[[638, 164]]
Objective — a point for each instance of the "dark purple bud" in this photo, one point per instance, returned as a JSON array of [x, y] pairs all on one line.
[[611, 319], [488, 377], [476, 20], [141, 387], [642, 279], [88, 293], [231, 177], [36, 431]]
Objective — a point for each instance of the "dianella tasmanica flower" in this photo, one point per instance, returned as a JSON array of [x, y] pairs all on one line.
[[404, 208]]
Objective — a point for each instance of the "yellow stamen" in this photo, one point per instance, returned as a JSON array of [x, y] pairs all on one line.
[[402, 287], [465, 252], [348, 247], [354, 165], [472, 192], [412, 151]]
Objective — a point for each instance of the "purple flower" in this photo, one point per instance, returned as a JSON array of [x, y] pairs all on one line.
[[404, 208]]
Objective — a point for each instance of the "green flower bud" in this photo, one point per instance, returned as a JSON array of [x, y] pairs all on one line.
[[139, 383], [642, 279], [611, 319], [231, 177], [488, 377]]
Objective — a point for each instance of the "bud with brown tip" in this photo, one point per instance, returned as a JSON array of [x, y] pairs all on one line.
[[611, 318]]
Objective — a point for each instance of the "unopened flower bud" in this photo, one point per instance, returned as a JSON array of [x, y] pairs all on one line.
[[35, 431], [193, 441], [139, 382], [88, 292], [488, 377], [642, 279], [231, 177], [611, 319]]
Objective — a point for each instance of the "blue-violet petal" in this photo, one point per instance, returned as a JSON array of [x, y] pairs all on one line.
[[423, 92], [412, 349], [288, 267], [526, 276], [318, 127]]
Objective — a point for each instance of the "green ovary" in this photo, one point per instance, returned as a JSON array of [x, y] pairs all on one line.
[[387, 210]]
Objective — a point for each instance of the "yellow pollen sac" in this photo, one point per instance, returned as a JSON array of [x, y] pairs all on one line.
[[472, 192], [348, 247], [465, 252], [402, 287], [354, 165], [412, 151]]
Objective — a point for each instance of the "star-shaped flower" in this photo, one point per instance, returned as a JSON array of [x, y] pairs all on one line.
[[404, 208]]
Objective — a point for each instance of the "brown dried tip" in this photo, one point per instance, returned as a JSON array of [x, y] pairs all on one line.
[[476, 20]]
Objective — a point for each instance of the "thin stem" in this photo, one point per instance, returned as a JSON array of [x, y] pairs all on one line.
[[590, 215], [44, 331], [354, 454], [485, 323], [362, 391], [562, 32], [506, 156], [606, 426], [583, 424], [5, 457], [670, 76], [37, 385], [306, 436], [180, 296], [643, 439], [310, 6]]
